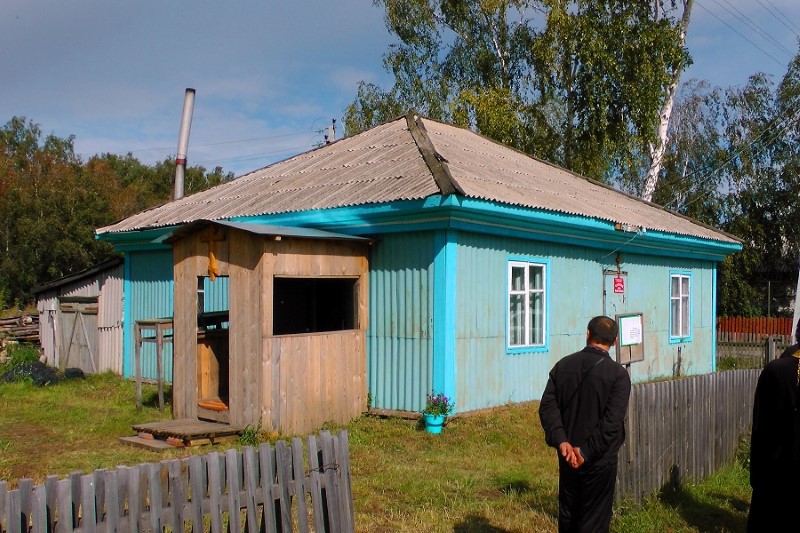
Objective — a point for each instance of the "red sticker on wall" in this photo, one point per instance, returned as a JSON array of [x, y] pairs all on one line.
[[619, 285]]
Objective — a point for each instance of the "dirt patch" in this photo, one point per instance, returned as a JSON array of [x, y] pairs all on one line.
[[39, 443]]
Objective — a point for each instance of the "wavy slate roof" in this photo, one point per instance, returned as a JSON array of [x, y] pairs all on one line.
[[413, 158]]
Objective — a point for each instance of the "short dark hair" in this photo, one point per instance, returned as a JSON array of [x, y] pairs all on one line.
[[603, 330]]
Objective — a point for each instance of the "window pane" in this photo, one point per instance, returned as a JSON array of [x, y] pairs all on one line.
[[675, 315], [517, 278], [516, 320], [536, 324], [536, 274], [685, 286], [675, 286], [685, 315]]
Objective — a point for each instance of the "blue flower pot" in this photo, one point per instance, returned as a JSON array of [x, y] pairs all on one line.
[[433, 423]]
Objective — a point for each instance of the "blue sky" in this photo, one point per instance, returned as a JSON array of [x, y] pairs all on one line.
[[269, 75]]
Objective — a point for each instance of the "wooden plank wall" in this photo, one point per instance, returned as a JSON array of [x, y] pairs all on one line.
[[316, 378], [683, 430], [249, 297], [214, 492]]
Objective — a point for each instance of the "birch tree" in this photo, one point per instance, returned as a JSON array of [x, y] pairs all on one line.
[[658, 147], [576, 82]]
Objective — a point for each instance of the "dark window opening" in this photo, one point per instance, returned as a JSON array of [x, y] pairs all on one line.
[[310, 305]]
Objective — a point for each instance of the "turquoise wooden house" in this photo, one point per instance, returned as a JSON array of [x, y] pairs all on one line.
[[484, 264]]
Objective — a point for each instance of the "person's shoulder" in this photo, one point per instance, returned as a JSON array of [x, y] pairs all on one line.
[[787, 361], [790, 351], [621, 371]]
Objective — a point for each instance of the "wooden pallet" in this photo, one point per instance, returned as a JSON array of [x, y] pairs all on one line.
[[181, 432]]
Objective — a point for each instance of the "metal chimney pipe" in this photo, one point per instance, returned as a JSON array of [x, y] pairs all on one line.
[[183, 143]]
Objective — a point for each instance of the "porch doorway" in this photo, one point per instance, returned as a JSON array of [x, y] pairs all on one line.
[[213, 351]]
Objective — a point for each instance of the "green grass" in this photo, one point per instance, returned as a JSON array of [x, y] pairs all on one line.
[[484, 473]]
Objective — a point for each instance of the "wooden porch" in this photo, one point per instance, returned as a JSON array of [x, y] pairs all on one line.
[[180, 433]]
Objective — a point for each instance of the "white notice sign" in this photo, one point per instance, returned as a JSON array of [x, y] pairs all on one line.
[[630, 330]]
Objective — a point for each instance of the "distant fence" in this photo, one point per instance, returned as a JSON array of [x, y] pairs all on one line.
[[750, 342], [264, 490], [683, 429], [762, 326]]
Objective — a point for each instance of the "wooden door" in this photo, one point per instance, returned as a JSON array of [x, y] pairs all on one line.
[[78, 327]]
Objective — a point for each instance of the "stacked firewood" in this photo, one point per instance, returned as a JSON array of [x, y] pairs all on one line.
[[24, 328]]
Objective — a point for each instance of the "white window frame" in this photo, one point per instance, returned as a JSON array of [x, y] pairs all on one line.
[[527, 292], [680, 326]]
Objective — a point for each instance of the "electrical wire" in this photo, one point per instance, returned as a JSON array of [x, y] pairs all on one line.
[[745, 37], [772, 8], [733, 10], [293, 134], [784, 123]]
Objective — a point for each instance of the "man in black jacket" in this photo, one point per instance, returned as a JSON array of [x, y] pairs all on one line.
[[775, 444], [583, 411]]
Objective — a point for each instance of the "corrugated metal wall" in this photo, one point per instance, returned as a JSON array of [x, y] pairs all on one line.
[[216, 294], [399, 339], [106, 286], [151, 293], [487, 375]]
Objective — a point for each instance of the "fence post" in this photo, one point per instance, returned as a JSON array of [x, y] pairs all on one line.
[[770, 349]]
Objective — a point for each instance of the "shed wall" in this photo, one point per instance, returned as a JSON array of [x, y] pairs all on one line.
[[287, 383], [106, 286]]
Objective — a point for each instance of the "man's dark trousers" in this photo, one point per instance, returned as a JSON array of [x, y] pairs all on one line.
[[585, 497]]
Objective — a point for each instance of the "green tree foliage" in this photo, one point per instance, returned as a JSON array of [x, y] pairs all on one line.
[[578, 83], [733, 161], [51, 203]]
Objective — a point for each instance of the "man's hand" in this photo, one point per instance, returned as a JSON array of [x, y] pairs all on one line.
[[567, 452], [579, 459]]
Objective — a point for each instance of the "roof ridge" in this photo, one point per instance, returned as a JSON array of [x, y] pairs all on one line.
[[433, 159]]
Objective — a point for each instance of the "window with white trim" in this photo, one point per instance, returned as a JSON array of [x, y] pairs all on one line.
[[527, 304], [679, 300]]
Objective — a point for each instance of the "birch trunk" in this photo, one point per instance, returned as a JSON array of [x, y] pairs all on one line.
[[658, 149]]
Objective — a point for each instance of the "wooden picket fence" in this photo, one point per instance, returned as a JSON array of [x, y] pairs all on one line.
[[683, 429], [268, 489]]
